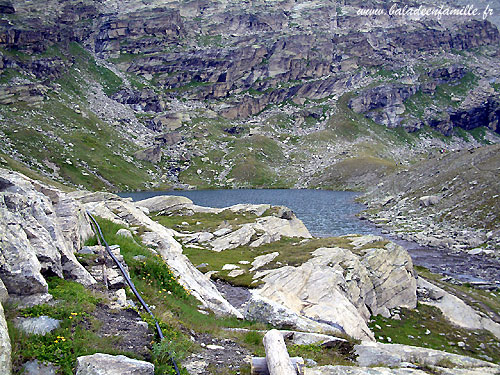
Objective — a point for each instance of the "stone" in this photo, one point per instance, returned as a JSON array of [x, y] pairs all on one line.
[[119, 300], [475, 251], [236, 273], [44, 228], [376, 354], [256, 209], [124, 233], [199, 237], [456, 310], [31, 300], [361, 241], [21, 270], [36, 367], [105, 364], [234, 239], [350, 370], [264, 310], [38, 326], [268, 228], [152, 154], [222, 232], [164, 203], [215, 347], [262, 260], [228, 267], [429, 200], [90, 250], [4, 294], [5, 346]]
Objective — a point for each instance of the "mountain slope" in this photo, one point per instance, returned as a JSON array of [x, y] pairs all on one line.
[[129, 95]]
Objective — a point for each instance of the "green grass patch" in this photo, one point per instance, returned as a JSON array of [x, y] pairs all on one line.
[[110, 82], [292, 252]]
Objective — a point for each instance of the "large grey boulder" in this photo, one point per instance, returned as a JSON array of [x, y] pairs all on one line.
[[394, 355], [43, 228], [338, 286], [234, 239], [5, 347], [164, 203], [39, 368], [267, 229], [429, 200], [105, 364], [20, 268], [264, 310], [262, 260]]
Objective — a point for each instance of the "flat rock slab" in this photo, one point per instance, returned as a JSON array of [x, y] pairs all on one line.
[[349, 370], [105, 364], [37, 326], [394, 355]]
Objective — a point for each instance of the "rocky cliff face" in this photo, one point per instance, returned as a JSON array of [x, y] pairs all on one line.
[[314, 71]]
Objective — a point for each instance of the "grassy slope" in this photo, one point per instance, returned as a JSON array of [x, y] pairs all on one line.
[[62, 133]]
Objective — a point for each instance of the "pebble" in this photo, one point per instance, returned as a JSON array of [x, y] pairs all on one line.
[[215, 347]]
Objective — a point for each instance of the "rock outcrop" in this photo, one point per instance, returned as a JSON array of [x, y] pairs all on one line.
[[454, 309], [342, 288], [161, 239], [43, 229], [264, 310], [395, 355], [383, 104], [164, 203], [105, 364], [265, 230]]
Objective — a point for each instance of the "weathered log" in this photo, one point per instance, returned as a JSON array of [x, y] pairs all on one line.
[[258, 365], [278, 360]]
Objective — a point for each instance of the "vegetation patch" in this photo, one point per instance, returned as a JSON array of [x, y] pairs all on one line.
[[63, 345]]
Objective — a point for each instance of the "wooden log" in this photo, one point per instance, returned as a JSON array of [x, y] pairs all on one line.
[[258, 365], [278, 360]]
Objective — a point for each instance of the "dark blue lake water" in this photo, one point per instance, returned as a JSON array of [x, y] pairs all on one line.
[[324, 212]]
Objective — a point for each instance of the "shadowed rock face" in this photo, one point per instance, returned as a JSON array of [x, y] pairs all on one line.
[[42, 229]]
